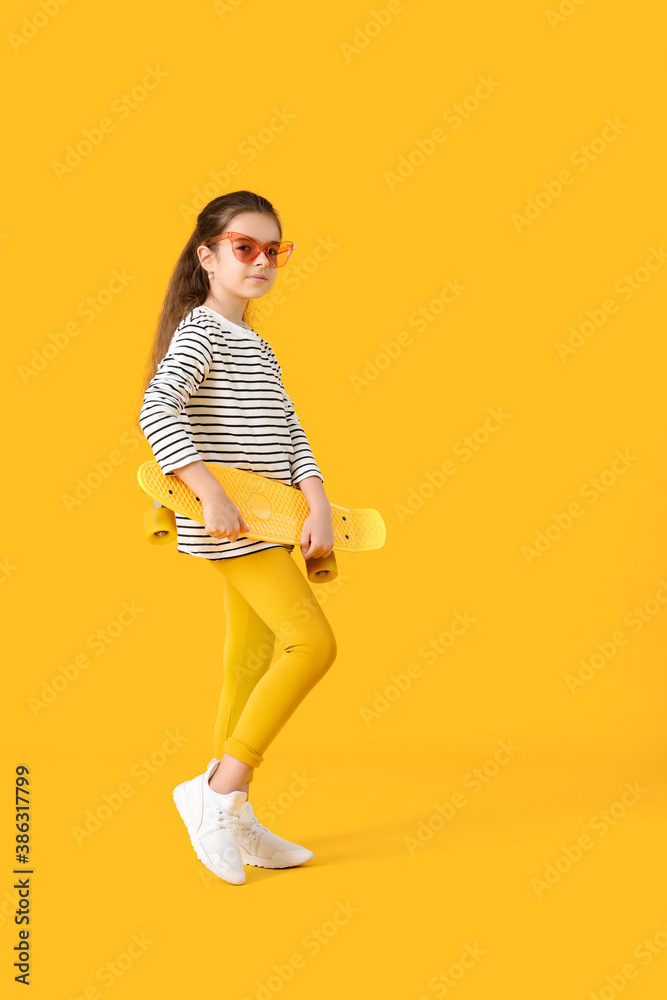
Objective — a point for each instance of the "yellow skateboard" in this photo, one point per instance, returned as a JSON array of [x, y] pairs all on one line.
[[273, 511]]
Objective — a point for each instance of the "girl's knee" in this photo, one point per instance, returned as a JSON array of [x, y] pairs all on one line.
[[318, 644], [329, 648]]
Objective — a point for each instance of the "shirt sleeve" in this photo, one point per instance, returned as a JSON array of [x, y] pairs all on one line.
[[303, 463], [178, 377]]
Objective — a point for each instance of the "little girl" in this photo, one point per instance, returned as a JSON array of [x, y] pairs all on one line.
[[214, 393]]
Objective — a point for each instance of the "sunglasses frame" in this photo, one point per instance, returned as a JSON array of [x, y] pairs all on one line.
[[290, 244]]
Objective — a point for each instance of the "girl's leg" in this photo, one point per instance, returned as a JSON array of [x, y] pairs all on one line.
[[247, 653], [281, 597]]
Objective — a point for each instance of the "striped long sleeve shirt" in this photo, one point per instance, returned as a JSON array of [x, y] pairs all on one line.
[[218, 396]]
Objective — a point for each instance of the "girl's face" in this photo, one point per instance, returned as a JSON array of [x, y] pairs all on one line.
[[232, 277]]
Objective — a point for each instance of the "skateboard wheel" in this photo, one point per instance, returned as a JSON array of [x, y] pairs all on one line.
[[323, 569], [160, 525]]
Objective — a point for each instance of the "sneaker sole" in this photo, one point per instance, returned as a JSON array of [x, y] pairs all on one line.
[[251, 859], [180, 797]]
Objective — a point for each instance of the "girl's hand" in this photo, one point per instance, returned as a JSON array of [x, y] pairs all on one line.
[[222, 518], [317, 534]]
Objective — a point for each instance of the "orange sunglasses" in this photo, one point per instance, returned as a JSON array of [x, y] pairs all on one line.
[[245, 248]]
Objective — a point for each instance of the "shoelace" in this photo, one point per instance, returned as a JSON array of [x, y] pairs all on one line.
[[232, 821], [253, 827], [229, 820]]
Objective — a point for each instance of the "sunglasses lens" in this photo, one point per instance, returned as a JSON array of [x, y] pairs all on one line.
[[244, 250], [279, 254]]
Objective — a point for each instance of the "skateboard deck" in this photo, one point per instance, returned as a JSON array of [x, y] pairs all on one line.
[[272, 510]]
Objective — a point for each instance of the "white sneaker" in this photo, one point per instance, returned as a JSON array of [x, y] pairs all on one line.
[[212, 820], [259, 846], [264, 849]]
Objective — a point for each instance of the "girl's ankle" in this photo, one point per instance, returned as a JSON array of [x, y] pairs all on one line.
[[227, 790]]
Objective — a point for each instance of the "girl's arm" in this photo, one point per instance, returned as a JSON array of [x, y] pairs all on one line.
[[317, 534], [202, 482], [222, 518], [313, 490], [303, 464], [178, 377]]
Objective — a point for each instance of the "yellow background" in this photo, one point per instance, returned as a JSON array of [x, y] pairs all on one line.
[[360, 87]]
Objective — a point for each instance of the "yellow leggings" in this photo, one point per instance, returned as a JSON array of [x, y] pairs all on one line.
[[266, 597]]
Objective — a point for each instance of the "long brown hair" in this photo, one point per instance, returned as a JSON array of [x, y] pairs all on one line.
[[188, 286]]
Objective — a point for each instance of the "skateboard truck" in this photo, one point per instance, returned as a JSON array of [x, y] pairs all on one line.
[[160, 524]]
